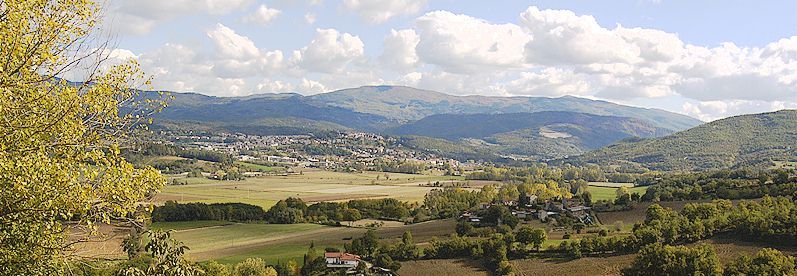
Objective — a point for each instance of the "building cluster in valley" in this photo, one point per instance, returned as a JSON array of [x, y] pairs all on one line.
[[348, 263], [352, 151], [542, 210]]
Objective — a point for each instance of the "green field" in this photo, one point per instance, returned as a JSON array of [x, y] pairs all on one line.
[[212, 240], [310, 185], [607, 193], [259, 167], [184, 225], [234, 242]]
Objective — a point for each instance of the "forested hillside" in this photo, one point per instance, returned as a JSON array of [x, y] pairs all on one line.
[[757, 140]]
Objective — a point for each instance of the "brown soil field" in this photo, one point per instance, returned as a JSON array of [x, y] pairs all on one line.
[[728, 250], [443, 267], [584, 266]]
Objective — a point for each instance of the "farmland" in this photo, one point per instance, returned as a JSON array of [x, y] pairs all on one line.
[[234, 242], [604, 192], [727, 250], [310, 185]]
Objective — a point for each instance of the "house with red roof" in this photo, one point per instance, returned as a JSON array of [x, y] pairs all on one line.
[[341, 260]]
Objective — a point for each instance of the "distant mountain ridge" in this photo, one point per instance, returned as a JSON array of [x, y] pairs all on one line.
[[374, 108], [544, 135], [755, 140], [513, 125], [409, 104]]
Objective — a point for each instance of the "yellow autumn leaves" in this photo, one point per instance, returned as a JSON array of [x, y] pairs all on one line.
[[60, 161]]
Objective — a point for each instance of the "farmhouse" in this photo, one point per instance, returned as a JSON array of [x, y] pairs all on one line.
[[341, 260]]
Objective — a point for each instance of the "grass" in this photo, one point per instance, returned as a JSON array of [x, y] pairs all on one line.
[[184, 225], [611, 184], [208, 240], [607, 193], [275, 243], [310, 185], [259, 167]]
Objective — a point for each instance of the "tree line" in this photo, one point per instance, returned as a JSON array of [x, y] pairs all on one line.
[[722, 184], [770, 219], [173, 211]]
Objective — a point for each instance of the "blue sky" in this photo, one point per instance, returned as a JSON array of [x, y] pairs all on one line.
[[707, 59]]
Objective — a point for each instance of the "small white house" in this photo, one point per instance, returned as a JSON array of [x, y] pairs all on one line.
[[341, 260]]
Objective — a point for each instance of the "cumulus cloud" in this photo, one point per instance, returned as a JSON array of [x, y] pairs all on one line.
[[399, 50], [543, 53], [231, 44], [460, 43], [549, 82], [237, 56], [329, 52], [262, 15], [562, 37], [378, 11], [273, 86], [311, 86], [713, 110]]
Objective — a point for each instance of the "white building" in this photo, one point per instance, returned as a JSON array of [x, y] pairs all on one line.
[[341, 260]]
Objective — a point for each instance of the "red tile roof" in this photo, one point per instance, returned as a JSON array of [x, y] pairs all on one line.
[[342, 256]]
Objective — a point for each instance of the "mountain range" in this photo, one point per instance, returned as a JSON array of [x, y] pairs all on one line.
[[536, 127], [376, 108], [565, 129]]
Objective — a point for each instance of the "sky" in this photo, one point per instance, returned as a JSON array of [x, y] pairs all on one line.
[[706, 59]]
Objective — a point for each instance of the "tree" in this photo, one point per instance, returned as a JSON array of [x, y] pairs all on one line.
[[164, 257], [364, 246], [623, 190], [658, 259], [533, 236], [253, 267], [60, 141], [498, 214], [464, 228], [216, 269], [351, 215], [384, 261], [766, 262]]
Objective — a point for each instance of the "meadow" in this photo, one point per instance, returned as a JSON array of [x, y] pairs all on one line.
[[604, 192], [309, 185], [234, 242]]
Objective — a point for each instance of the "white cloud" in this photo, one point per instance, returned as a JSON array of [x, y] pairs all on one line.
[[543, 53], [562, 37], [141, 16], [550, 82], [460, 43], [262, 16], [399, 50], [713, 110], [273, 86], [237, 56], [310, 18], [329, 52], [312, 86], [231, 44], [378, 11]]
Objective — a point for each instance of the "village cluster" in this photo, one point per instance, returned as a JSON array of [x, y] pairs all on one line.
[[349, 151]]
